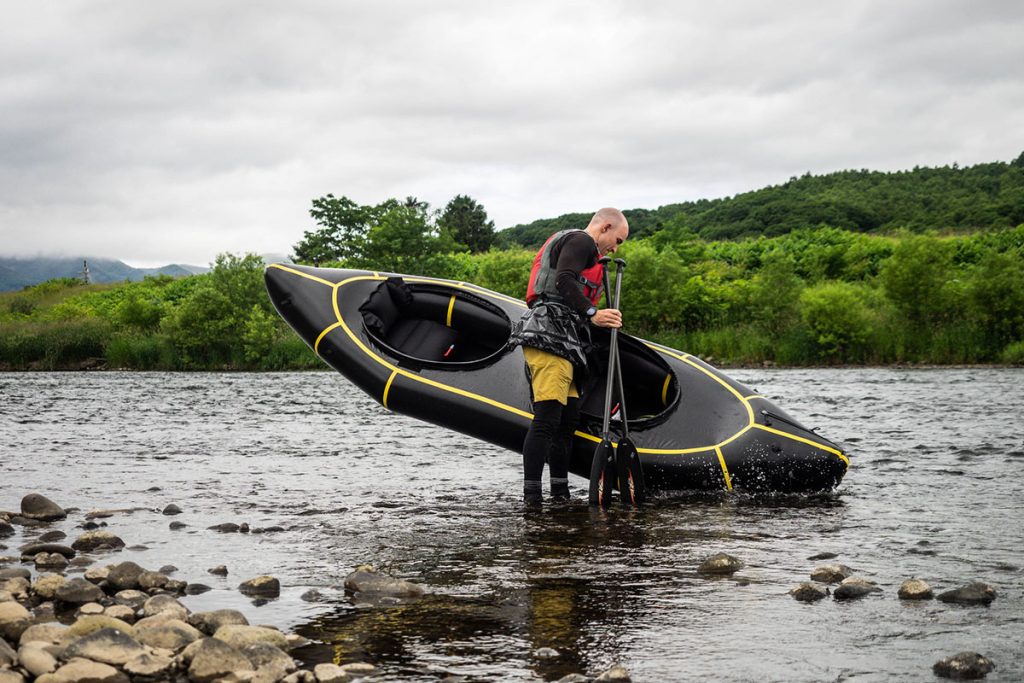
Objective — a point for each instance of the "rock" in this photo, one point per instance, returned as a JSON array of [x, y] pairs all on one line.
[[97, 574], [8, 657], [974, 593], [18, 587], [808, 592], [963, 666], [367, 580], [14, 573], [5, 529], [90, 608], [172, 509], [616, 673], [546, 653], [311, 595], [720, 563], [122, 612], [265, 655], [173, 635], [125, 576], [165, 603], [91, 623], [213, 659], [197, 589], [108, 645], [210, 622], [831, 573], [174, 526], [854, 587], [330, 673], [915, 589], [573, 678], [219, 570], [359, 669], [36, 660], [150, 667], [38, 507], [261, 586], [131, 598], [86, 671], [46, 586], [240, 636], [174, 586], [43, 633], [50, 561], [225, 528], [823, 556], [81, 561], [158, 619], [33, 549], [295, 640], [97, 540], [168, 569], [149, 580], [79, 592], [14, 619], [52, 536]]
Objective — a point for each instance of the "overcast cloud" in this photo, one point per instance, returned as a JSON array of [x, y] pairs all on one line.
[[170, 132]]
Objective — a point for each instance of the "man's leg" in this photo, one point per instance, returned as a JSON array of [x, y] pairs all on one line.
[[561, 449], [547, 416]]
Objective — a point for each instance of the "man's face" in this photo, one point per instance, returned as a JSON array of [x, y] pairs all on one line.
[[610, 239]]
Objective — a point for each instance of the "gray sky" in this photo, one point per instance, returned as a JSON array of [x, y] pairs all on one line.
[[170, 132]]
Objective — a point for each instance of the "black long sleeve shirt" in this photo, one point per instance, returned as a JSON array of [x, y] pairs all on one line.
[[574, 254]]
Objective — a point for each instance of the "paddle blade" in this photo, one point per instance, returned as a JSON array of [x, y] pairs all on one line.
[[631, 474], [602, 475]]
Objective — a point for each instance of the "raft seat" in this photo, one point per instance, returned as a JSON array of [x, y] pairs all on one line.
[[424, 339]]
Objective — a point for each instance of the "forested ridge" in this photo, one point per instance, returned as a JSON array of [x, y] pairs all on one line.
[[855, 267]]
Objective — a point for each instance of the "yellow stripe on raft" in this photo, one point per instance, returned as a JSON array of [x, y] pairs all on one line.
[[451, 305], [664, 389], [387, 388], [725, 470]]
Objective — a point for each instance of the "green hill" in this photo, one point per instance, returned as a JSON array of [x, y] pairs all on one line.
[[947, 198]]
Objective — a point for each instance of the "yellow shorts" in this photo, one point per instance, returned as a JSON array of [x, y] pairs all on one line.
[[551, 376]]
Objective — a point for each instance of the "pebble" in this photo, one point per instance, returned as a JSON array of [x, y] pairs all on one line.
[[261, 586], [831, 573], [808, 592], [90, 608], [97, 540], [823, 556], [172, 509], [720, 564], [964, 666], [97, 574], [312, 595], [546, 653], [38, 507], [219, 570], [915, 589], [168, 569], [854, 587], [974, 593], [174, 526]]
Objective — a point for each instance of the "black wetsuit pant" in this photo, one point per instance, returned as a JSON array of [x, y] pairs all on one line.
[[549, 440]]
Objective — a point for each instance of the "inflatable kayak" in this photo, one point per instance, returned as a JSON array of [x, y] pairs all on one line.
[[437, 350]]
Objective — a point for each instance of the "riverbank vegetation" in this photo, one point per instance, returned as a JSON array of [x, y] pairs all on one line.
[[797, 291]]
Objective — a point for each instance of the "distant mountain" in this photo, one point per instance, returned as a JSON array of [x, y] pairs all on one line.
[[17, 273]]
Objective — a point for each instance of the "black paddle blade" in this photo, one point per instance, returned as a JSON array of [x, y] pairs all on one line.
[[602, 475], [631, 475]]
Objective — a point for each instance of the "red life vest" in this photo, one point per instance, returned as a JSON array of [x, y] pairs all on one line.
[[542, 275]]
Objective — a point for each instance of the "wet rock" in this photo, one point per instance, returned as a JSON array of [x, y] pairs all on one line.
[[295, 641], [243, 528], [720, 564], [312, 595], [197, 589], [125, 576], [854, 587], [823, 556], [44, 612], [14, 619], [97, 574], [268, 530], [122, 612], [172, 509], [174, 586], [131, 598], [5, 529], [108, 645], [243, 636], [546, 653], [52, 536], [808, 592], [8, 657], [97, 540], [267, 656], [261, 586], [7, 676], [79, 591], [330, 673], [165, 603], [81, 561], [91, 623], [168, 569], [14, 573], [174, 526], [964, 666], [219, 570], [18, 587], [90, 608], [36, 660], [43, 633], [616, 673], [915, 589], [86, 671], [149, 580], [54, 561], [831, 573], [573, 678], [150, 666], [225, 528], [173, 635], [365, 579], [212, 659], [40, 508], [210, 622], [974, 593], [33, 549], [46, 586]]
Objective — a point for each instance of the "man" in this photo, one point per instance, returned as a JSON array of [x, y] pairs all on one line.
[[564, 290]]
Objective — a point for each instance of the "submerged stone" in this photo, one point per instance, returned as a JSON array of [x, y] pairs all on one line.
[[831, 573], [915, 589], [808, 592], [720, 563], [963, 666], [974, 593]]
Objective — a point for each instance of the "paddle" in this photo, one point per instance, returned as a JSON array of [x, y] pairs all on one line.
[[602, 467], [627, 459]]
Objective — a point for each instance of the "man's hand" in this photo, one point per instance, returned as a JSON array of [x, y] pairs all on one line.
[[607, 317]]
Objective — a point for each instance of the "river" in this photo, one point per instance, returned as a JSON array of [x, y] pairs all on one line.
[[934, 491]]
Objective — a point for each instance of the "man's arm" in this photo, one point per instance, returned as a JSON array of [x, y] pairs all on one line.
[[577, 253]]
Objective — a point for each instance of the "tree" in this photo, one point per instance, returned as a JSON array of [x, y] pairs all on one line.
[[467, 222], [344, 227]]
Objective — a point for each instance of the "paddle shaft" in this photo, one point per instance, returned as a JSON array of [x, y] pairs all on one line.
[[612, 347]]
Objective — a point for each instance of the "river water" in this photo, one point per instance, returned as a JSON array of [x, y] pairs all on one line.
[[934, 491]]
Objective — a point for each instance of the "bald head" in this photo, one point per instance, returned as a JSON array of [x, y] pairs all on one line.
[[609, 229]]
